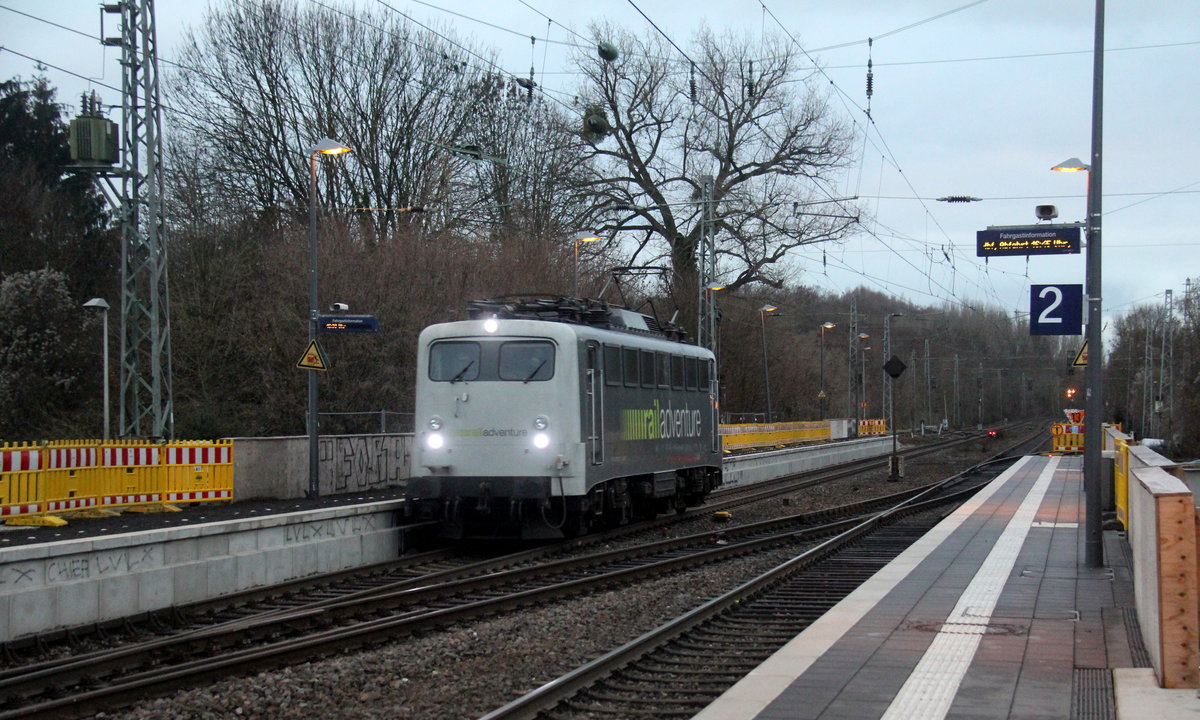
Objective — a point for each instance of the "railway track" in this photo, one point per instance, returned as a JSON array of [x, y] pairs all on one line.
[[679, 668], [433, 566], [441, 590]]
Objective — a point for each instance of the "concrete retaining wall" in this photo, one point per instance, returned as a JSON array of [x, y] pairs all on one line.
[[770, 465], [277, 467], [80, 582]]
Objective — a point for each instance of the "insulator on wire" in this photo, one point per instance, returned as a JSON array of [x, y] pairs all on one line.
[[529, 87], [870, 74], [692, 82]]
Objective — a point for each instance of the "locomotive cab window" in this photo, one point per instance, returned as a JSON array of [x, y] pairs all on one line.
[[526, 361], [677, 372], [693, 372], [454, 361]]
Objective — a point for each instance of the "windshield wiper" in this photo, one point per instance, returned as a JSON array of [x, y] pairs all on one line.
[[462, 372], [535, 371]]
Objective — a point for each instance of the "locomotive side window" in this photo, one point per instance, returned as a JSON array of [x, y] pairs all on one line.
[[677, 372], [612, 364], [704, 375], [630, 356], [664, 369], [647, 368], [454, 361], [693, 372], [527, 361]]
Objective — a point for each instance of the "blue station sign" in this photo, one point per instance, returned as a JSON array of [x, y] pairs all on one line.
[[1056, 309], [347, 323], [1062, 239]]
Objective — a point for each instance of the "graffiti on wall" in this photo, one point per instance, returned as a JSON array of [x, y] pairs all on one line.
[[85, 566], [363, 462], [333, 529]]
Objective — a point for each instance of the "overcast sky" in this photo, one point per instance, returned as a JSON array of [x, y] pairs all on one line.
[[975, 98]]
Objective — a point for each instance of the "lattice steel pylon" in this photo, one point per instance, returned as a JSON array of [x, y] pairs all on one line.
[[146, 400]]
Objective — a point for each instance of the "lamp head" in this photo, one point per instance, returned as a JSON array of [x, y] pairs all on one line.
[[586, 237], [767, 308], [326, 146], [1073, 164], [828, 325], [96, 303]]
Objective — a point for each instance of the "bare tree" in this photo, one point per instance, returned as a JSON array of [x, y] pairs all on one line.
[[534, 188], [262, 80], [745, 114]]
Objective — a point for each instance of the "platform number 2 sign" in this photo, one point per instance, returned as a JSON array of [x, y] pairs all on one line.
[[1056, 310]]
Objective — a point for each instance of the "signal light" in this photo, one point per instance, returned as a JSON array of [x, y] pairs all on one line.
[[1070, 392]]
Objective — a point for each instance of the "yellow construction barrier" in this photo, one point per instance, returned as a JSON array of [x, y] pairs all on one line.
[[41, 479], [132, 473], [741, 437], [1066, 438], [872, 427], [20, 479], [69, 472], [199, 471], [1121, 481]]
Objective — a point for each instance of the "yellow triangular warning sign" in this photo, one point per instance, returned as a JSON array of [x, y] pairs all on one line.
[[313, 358], [1081, 358]]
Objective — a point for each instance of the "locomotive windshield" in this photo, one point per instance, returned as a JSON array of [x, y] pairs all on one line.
[[491, 360]]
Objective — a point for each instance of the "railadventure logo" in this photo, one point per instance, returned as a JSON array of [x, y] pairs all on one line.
[[661, 423]]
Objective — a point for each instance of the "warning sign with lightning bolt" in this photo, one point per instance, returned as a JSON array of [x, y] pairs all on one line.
[[313, 358]]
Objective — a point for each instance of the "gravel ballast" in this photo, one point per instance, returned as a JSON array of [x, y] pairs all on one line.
[[466, 671]]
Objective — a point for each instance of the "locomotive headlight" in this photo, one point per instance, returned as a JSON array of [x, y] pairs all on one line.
[[435, 441], [541, 441], [491, 325], [541, 422], [435, 423]]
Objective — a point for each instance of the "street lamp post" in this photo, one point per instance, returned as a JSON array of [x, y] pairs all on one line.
[[324, 146], [101, 304], [582, 237], [862, 365], [821, 395], [1093, 372], [706, 325], [762, 318], [859, 412]]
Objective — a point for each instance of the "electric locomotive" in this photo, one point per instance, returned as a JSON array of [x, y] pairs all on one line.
[[549, 418]]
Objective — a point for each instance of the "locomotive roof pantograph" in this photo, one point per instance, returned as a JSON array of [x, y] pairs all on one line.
[[580, 311]]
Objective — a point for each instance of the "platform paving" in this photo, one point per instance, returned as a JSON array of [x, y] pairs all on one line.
[[992, 615]]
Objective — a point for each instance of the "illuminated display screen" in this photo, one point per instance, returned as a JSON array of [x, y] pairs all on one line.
[[348, 323], [1029, 240]]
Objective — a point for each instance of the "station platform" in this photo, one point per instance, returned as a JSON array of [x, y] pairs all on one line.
[[993, 614]]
